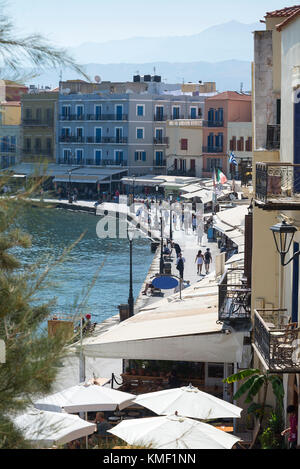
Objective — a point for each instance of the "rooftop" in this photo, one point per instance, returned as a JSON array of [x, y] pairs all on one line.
[[283, 13], [233, 95]]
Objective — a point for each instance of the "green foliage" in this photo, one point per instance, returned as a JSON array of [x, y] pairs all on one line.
[[32, 358], [271, 436]]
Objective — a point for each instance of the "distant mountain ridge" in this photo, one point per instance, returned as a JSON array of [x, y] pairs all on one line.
[[232, 40], [227, 74]]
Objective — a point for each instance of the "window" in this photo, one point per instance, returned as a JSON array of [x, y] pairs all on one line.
[[139, 133], [159, 113], [48, 115], [13, 144], [98, 157], [27, 144], [38, 114], [211, 115], [119, 156], [233, 144], [79, 156], [37, 144], [79, 133], [184, 144], [98, 112], [98, 134], [66, 111], [213, 163], [248, 144], [159, 158], [193, 113], [66, 155], [28, 113], [79, 111], [66, 132], [49, 144], [199, 112], [215, 370], [140, 110], [119, 134], [176, 112], [140, 156]]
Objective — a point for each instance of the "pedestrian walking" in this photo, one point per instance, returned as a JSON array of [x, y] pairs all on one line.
[[194, 223], [293, 428], [177, 249], [207, 260], [200, 233], [200, 261], [180, 265]]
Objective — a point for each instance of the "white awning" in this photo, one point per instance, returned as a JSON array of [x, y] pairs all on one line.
[[79, 179], [186, 330]]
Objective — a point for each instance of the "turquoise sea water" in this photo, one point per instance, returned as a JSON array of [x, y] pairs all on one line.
[[52, 230]]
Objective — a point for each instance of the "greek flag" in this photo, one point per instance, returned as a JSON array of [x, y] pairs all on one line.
[[232, 159]]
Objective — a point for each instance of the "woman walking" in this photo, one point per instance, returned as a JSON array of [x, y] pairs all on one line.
[[200, 261]]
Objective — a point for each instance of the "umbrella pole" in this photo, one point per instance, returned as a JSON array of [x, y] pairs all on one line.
[[86, 438]]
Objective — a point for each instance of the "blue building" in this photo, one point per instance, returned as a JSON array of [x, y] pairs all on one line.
[[109, 128]]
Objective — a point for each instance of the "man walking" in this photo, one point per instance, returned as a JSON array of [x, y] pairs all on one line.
[[180, 265], [207, 260]]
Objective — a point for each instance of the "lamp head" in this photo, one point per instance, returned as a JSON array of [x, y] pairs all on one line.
[[130, 232], [283, 234]]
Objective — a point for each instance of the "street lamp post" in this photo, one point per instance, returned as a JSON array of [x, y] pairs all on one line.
[[70, 195], [161, 262], [171, 233], [130, 234]]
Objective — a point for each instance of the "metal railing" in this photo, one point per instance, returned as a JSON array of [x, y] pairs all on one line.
[[277, 340], [234, 296], [161, 141], [71, 139], [91, 162], [277, 182], [119, 140], [38, 122], [213, 123], [38, 151], [160, 118], [273, 137], [212, 149]]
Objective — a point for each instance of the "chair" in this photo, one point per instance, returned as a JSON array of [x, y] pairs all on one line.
[[246, 443]]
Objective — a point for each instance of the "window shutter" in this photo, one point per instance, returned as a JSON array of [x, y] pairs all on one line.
[[144, 156]]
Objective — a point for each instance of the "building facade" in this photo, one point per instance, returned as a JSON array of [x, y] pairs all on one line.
[[10, 140], [276, 130], [184, 151], [128, 129], [221, 111], [38, 126]]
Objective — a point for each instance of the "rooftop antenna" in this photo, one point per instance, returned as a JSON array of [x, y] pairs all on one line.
[[154, 70], [242, 85]]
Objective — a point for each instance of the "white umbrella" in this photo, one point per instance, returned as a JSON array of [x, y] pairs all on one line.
[[46, 429], [190, 402], [85, 398], [173, 432]]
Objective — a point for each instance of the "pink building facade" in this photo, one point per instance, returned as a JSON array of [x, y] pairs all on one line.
[[221, 109]]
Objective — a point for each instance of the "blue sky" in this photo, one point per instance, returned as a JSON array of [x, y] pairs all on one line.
[[73, 22]]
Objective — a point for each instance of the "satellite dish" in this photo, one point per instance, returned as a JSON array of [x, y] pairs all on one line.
[[97, 79]]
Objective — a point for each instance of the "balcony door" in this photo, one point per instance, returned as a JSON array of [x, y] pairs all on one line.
[[119, 112]]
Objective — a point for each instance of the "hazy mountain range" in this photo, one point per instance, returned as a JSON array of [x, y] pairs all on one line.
[[221, 53]]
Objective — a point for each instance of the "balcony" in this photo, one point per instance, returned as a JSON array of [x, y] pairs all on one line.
[[159, 118], [161, 141], [212, 149], [38, 151], [71, 139], [72, 117], [107, 117], [234, 297], [213, 123], [276, 341], [91, 162], [37, 123], [273, 137], [278, 186], [118, 140]]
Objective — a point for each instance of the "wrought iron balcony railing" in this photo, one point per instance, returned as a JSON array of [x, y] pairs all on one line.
[[89, 162], [94, 117], [71, 139], [234, 296], [213, 123], [107, 140], [38, 122], [38, 151], [212, 149], [277, 184], [273, 137], [161, 141], [276, 340]]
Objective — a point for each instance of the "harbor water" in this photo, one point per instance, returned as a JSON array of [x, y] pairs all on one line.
[[53, 230]]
